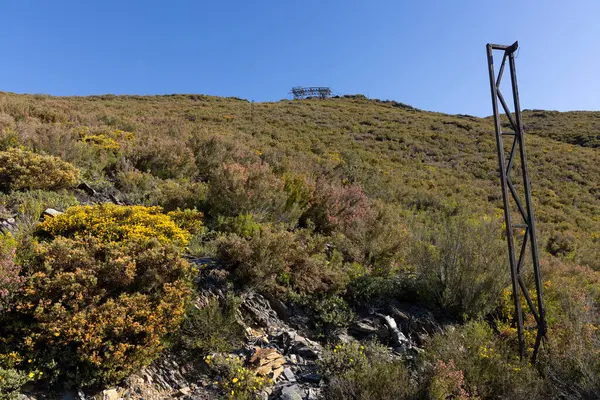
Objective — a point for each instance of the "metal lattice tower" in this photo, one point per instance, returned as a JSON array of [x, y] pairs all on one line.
[[511, 196]]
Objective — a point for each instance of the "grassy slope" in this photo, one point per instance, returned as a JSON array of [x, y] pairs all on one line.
[[399, 154]]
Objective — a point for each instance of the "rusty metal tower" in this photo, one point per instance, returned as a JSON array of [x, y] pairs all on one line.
[[512, 199]]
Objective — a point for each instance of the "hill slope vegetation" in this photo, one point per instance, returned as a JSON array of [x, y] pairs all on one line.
[[332, 205]]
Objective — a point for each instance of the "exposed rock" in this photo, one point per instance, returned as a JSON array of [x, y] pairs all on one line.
[[398, 337], [267, 362], [110, 394], [289, 375], [414, 320], [365, 326], [256, 336], [344, 337], [87, 189], [311, 378], [294, 343], [185, 391], [115, 200], [277, 373], [313, 394], [260, 312], [304, 351], [51, 212], [280, 308], [8, 225]]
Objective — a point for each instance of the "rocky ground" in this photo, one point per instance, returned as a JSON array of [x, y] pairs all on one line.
[[279, 345]]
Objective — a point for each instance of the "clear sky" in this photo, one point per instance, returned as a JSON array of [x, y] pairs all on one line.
[[429, 54]]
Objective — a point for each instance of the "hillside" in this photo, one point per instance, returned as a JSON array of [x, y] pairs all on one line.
[[347, 216], [396, 153]]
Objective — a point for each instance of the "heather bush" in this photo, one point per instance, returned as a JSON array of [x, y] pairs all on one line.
[[162, 156], [250, 189], [276, 259], [145, 189], [364, 372], [561, 244], [10, 279], [570, 356], [337, 208], [460, 265], [212, 326], [473, 362], [212, 152], [25, 170], [448, 383]]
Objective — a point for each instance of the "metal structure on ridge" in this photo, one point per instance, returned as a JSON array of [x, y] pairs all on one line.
[[517, 252], [305, 92]]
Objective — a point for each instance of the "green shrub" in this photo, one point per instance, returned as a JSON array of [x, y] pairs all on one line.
[[243, 225], [379, 241], [11, 382], [213, 327], [561, 244], [360, 372], [368, 290], [332, 312], [460, 265], [489, 366], [25, 170]]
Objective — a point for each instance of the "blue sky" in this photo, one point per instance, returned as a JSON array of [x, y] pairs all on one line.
[[429, 54]]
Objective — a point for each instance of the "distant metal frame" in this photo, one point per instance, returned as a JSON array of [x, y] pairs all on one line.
[[509, 191], [315, 91]]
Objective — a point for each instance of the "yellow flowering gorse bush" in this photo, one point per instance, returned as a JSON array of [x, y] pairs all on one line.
[[102, 294], [111, 223], [106, 140]]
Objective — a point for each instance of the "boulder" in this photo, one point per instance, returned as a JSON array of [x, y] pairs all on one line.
[[291, 393]]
